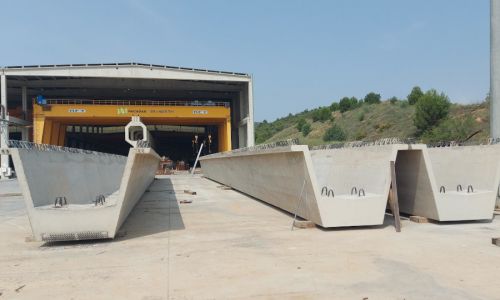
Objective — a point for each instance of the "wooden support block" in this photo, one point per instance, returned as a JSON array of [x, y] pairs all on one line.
[[496, 241], [419, 219], [393, 198], [303, 224]]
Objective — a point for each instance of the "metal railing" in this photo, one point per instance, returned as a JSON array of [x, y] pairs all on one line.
[[408, 141], [356, 144], [53, 148], [489, 141], [142, 102], [279, 144]]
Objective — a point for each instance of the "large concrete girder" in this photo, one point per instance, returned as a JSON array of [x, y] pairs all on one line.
[[434, 183], [299, 181], [360, 179], [81, 177], [282, 177]]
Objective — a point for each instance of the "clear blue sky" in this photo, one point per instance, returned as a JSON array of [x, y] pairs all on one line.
[[302, 54]]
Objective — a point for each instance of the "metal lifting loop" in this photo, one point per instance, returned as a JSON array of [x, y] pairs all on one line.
[[361, 190], [442, 189], [99, 199], [324, 191], [332, 194], [354, 190], [60, 202], [459, 188], [470, 189]]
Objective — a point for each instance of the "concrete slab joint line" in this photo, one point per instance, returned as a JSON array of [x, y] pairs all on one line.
[[350, 186], [97, 191]]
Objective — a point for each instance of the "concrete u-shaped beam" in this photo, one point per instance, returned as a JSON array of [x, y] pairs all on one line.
[[350, 186], [74, 194]]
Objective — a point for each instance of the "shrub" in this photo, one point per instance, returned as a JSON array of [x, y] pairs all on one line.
[[321, 114], [361, 117], [306, 129], [334, 106], [335, 133], [347, 103], [430, 109], [301, 124], [393, 100], [415, 95], [372, 98], [382, 126], [360, 134], [450, 130]]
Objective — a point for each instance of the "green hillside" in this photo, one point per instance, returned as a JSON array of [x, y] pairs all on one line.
[[375, 121]]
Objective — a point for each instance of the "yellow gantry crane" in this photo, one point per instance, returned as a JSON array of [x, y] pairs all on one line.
[[51, 118]]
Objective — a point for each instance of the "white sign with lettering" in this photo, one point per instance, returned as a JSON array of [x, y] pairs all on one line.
[[200, 112], [76, 110]]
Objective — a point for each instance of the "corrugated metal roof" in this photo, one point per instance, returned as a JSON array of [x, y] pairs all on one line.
[[124, 64]]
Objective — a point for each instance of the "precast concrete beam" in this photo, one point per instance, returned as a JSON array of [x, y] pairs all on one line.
[[282, 177], [350, 186], [495, 69], [73, 194], [355, 183], [456, 183], [332, 188]]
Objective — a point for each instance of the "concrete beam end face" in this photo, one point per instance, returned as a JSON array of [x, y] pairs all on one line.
[[130, 134], [354, 183], [60, 189], [466, 181], [75, 196]]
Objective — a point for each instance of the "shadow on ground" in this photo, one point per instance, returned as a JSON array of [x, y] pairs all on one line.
[[157, 211]]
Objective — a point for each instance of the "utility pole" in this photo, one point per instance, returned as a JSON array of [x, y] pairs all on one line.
[[495, 69]]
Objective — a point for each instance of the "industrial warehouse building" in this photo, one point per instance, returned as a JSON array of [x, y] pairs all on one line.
[[87, 105]]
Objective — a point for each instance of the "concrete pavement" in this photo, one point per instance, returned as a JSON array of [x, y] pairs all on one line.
[[225, 245]]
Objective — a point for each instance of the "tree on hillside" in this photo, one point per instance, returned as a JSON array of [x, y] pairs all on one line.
[[372, 98], [335, 133], [306, 129], [301, 124], [430, 109], [321, 114], [347, 103], [415, 94], [393, 100], [335, 106]]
